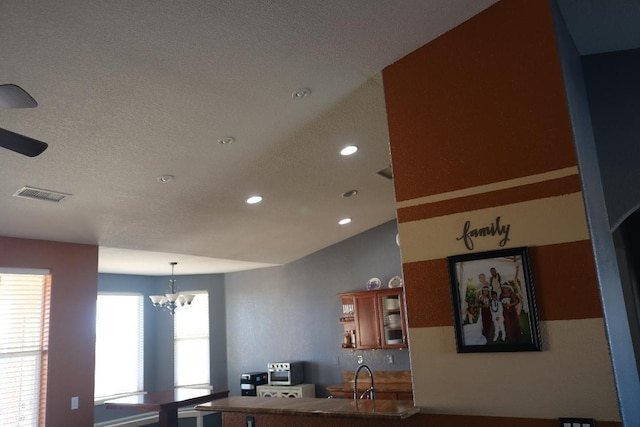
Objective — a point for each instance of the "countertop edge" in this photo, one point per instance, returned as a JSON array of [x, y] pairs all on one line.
[[311, 409]]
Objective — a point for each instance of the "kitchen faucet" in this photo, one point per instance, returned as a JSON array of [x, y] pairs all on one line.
[[371, 390]]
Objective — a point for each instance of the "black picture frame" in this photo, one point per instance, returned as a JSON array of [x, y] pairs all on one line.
[[507, 273]]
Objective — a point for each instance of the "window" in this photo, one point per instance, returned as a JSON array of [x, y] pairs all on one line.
[[119, 345], [191, 342], [24, 337]]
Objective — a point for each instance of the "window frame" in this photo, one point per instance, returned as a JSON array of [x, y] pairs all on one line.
[[177, 338], [99, 399]]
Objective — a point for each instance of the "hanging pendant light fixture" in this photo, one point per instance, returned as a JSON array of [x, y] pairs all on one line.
[[173, 298]]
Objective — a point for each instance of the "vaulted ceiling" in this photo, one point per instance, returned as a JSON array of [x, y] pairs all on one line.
[[133, 90]]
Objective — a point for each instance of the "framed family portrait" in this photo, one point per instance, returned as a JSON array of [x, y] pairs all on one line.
[[494, 306]]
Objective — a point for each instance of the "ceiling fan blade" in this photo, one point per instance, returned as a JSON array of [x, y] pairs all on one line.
[[13, 96], [21, 144]]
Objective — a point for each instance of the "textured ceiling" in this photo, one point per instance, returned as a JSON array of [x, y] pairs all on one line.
[[132, 90]]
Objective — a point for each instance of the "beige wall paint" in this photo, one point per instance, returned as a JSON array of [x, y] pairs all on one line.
[[494, 186], [533, 223], [571, 377]]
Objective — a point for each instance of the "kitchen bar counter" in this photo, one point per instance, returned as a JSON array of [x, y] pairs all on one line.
[[343, 408], [166, 402]]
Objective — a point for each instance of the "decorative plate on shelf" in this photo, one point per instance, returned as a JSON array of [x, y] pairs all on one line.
[[395, 282], [374, 283]]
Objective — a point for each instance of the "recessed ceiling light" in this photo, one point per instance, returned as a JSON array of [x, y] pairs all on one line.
[[165, 178], [254, 199], [350, 193], [349, 150], [301, 93], [226, 140], [344, 221]]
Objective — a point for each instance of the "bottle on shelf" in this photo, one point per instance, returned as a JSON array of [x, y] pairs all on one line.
[[347, 339]]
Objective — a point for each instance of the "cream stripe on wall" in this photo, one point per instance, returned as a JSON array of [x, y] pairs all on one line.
[[471, 191], [571, 377], [537, 222]]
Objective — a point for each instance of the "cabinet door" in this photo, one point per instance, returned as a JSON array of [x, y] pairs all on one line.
[[268, 392], [292, 392], [386, 396], [405, 396], [367, 325], [392, 326]]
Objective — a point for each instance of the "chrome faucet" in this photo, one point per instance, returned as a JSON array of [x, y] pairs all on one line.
[[370, 391]]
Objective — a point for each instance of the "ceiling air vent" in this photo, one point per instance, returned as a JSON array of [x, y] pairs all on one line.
[[386, 173], [40, 194]]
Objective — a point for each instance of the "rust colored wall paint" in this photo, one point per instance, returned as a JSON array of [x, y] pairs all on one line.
[[74, 270], [555, 187], [418, 420], [482, 103], [564, 280], [427, 293]]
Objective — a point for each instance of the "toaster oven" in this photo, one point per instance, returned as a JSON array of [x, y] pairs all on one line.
[[285, 373]]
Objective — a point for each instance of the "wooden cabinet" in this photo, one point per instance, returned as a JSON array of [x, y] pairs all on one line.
[[389, 385], [297, 391], [376, 318], [380, 395]]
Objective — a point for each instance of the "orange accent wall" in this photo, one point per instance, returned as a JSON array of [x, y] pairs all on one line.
[[74, 286], [480, 104], [555, 187], [564, 282], [484, 104]]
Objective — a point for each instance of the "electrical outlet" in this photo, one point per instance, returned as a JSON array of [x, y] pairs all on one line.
[[577, 422], [251, 422], [74, 403], [390, 359], [360, 359]]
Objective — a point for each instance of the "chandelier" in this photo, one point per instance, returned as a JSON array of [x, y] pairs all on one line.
[[173, 298]]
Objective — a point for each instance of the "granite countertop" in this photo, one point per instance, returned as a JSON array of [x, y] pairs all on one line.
[[388, 409]]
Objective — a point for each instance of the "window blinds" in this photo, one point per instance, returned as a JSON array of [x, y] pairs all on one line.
[[24, 324]]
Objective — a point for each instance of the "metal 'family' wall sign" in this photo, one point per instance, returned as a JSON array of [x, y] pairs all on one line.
[[491, 230]]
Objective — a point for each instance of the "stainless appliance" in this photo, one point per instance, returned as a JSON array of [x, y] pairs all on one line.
[[249, 382], [285, 373]]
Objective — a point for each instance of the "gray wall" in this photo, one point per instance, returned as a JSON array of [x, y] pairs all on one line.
[[613, 88], [163, 325], [291, 312], [613, 303]]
